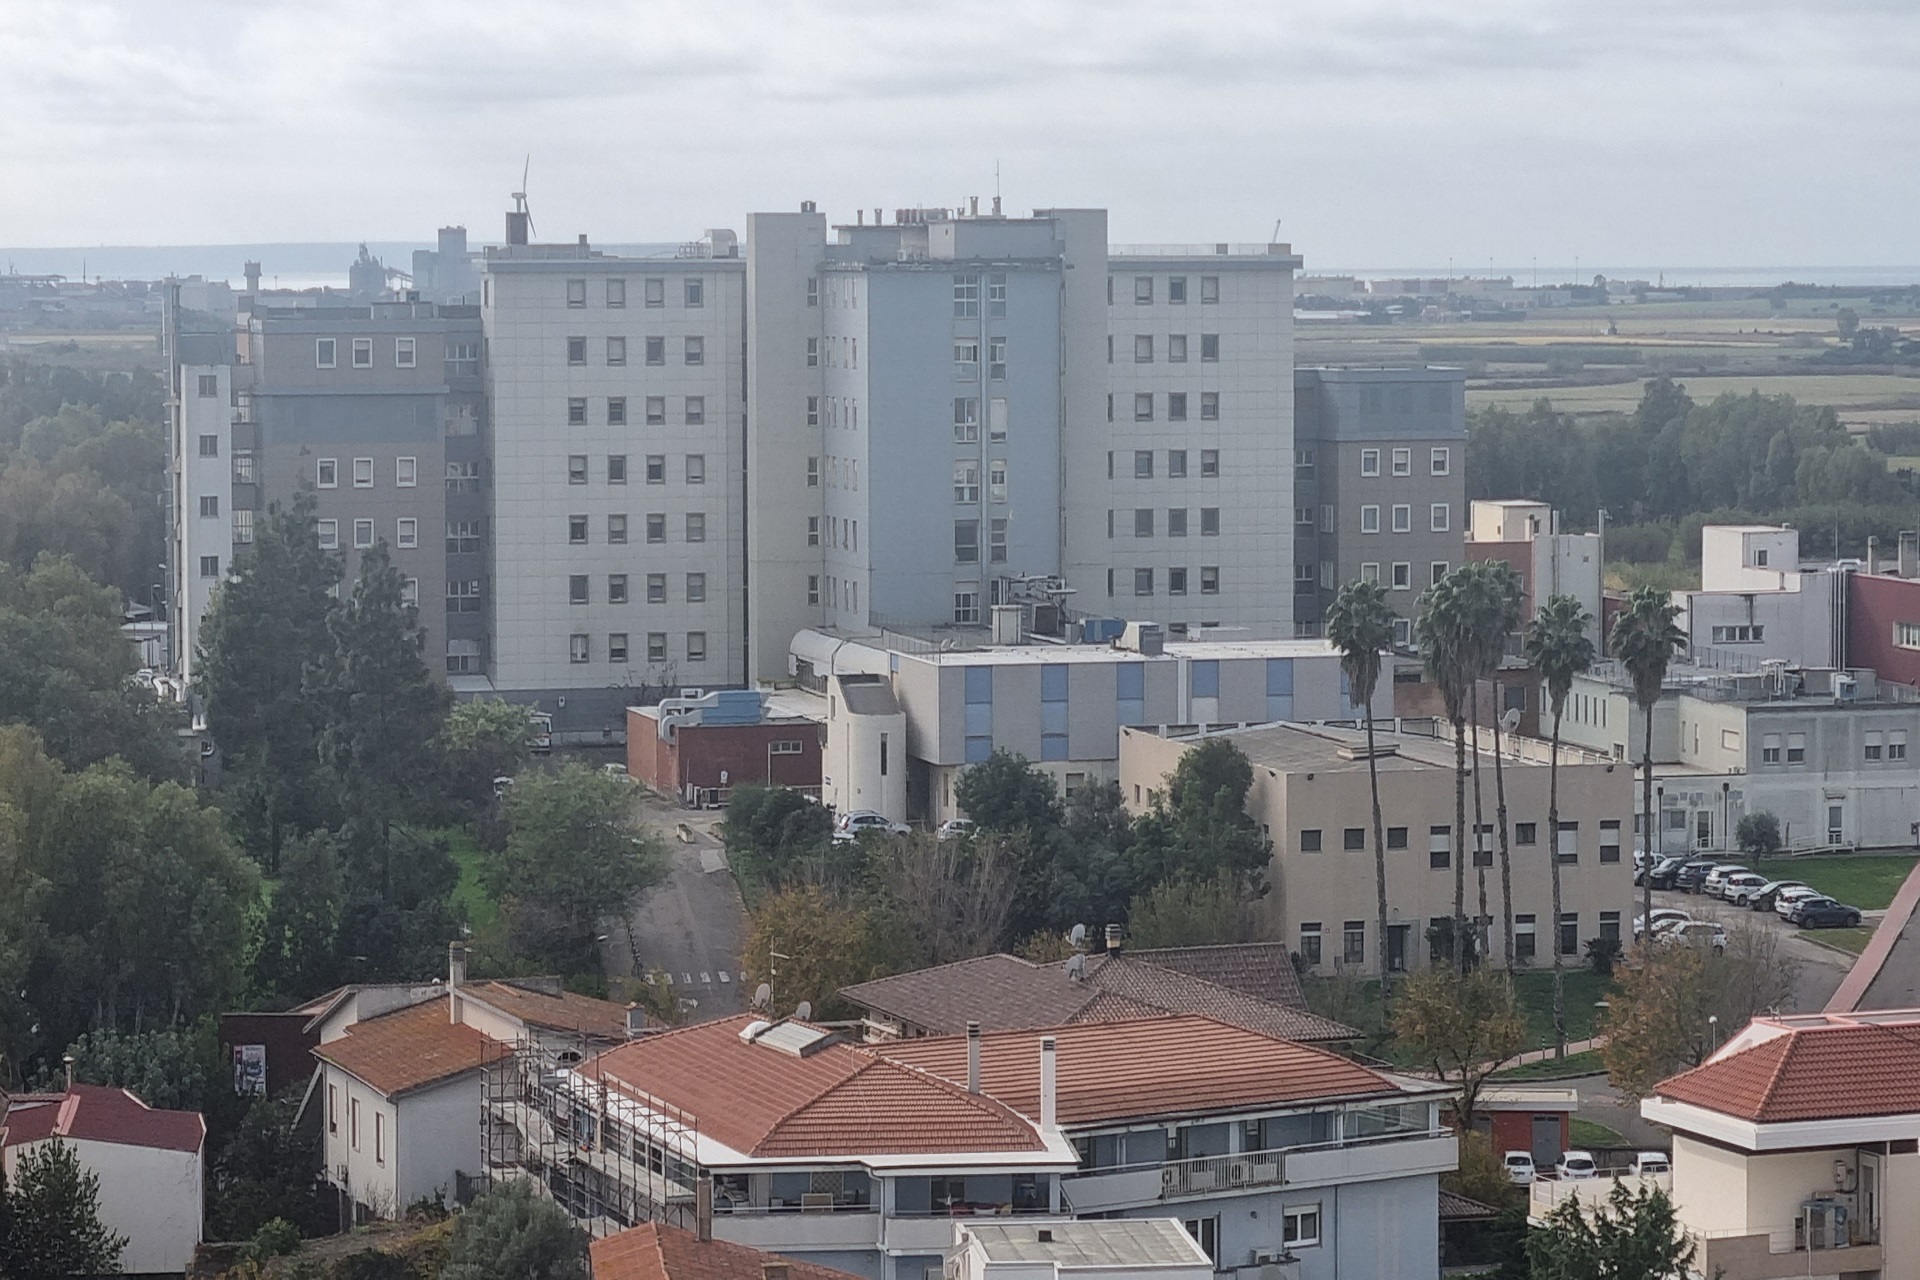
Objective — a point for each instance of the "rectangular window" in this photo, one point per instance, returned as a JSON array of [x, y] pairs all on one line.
[[966, 297], [1610, 925], [1402, 517], [1177, 463], [1796, 748], [1209, 406], [576, 293], [616, 351], [406, 533], [696, 468], [1143, 582], [655, 290], [813, 473], [1209, 348], [1523, 938], [1209, 289], [579, 648], [997, 480], [1353, 935], [1143, 522], [1143, 348], [694, 292], [1176, 522], [576, 468], [813, 531], [996, 295], [1436, 571], [324, 353], [363, 473], [577, 530], [616, 411], [616, 292], [1177, 348], [696, 646], [1402, 579], [1310, 943], [966, 361], [656, 588], [1209, 522], [1143, 290], [463, 595], [353, 1122], [1177, 290], [1370, 571], [656, 646], [656, 351], [1570, 933], [1352, 838], [813, 588], [403, 353], [1309, 840], [1370, 519], [210, 510], [696, 410], [1439, 517], [616, 588], [329, 534], [813, 291], [1610, 840], [363, 353], [966, 482], [1526, 833], [1396, 837], [576, 351], [1568, 844], [996, 418], [696, 526], [577, 588], [1176, 582], [616, 468], [209, 566], [696, 588], [966, 541], [1209, 580], [1176, 406], [616, 530], [1896, 744], [1402, 462], [1440, 462], [1143, 406], [243, 466], [362, 534], [576, 411], [617, 647], [696, 350], [966, 606], [1143, 464], [1439, 847], [966, 419], [1209, 463]]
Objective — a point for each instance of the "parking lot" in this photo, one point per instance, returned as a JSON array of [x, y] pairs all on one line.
[[1821, 966]]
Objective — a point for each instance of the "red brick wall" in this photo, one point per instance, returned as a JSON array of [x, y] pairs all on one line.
[[1874, 604], [741, 751]]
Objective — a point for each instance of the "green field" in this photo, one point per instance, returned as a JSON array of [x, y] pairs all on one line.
[[1574, 1064], [1854, 940], [475, 907], [1588, 1134], [1357, 1003], [1859, 880], [1862, 397]]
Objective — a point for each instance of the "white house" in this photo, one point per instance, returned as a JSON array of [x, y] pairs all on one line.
[[149, 1163]]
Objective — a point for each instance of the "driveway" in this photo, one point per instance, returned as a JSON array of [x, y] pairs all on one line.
[[1821, 967], [692, 926]]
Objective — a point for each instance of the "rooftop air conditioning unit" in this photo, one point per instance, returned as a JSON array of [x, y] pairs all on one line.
[[693, 693]]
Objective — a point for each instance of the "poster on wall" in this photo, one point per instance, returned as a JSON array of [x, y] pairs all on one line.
[[250, 1070]]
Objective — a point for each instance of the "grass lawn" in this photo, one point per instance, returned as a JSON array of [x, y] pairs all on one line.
[[1574, 1064], [1867, 881], [1591, 1133], [1854, 940], [1583, 988], [470, 900]]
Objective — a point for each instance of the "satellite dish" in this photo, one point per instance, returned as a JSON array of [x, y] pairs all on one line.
[[1077, 967], [1510, 719], [803, 1010], [1077, 935], [762, 996]]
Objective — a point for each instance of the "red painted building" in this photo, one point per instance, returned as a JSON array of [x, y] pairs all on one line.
[[696, 761], [1882, 612]]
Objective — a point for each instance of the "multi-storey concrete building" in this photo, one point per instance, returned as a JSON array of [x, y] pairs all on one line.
[[618, 509]]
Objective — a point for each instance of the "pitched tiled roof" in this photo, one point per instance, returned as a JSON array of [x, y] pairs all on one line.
[[562, 1011], [834, 1100], [404, 1050], [1458, 1208], [95, 1113], [655, 1251], [1171, 991], [1810, 1073], [997, 991], [1263, 970], [1113, 1071]]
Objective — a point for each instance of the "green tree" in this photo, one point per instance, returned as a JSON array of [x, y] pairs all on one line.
[[1006, 793], [774, 833], [1559, 648], [1644, 639], [1464, 1027], [1481, 1174], [572, 860], [516, 1232], [1636, 1236], [808, 943], [1497, 592], [1360, 625], [269, 1169], [169, 1068], [54, 1222], [1846, 322], [1199, 828], [67, 672], [299, 954], [264, 631], [952, 898], [484, 739], [1444, 628], [1193, 913], [1758, 835]]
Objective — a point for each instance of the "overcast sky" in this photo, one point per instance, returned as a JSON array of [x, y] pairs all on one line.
[[1633, 132]]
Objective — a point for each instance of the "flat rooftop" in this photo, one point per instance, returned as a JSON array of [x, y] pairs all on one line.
[[1288, 747], [1112, 1242], [1192, 650]]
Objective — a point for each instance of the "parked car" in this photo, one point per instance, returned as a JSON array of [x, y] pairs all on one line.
[[1732, 886], [1694, 933], [1664, 870], [1575, 1166], [1519, 1168], [1693, 873], [1784, 900], [1824, 913], [1715, 883], [956, 829], [1662, 916], [853, 823], [1761, 899], [1645, 1162]]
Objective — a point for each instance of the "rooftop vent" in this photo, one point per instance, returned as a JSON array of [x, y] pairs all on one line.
[[1044, 1235], [795, 1039]]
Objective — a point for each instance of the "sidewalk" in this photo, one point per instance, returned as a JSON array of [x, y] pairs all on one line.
[[1543, 1055]]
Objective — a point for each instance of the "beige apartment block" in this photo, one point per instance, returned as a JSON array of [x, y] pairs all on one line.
[[1311, 797]]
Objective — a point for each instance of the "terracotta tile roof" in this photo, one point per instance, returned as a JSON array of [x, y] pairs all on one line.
[[95, 1113], [1113, 1071], [565, 1011], [997, 991], [655, 1251], [407, 1049], [1810, 1073], [835, 1100], [1263, 970], [1108, 1006], [1171, 991], [1458, 1208]]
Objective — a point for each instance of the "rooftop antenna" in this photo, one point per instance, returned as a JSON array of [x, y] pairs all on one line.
[[1275, 237]]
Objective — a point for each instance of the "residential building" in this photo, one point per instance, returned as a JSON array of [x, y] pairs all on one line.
[[1311, 797], [1758, 602], [862, 1158], [1379, 485], [1249, 985], [1883, 614], [1824, 751], [1062, 706], [1134, 1248], [658, 1251], [1794, 1147], [699, 748], [150, 1165], [618, 517]]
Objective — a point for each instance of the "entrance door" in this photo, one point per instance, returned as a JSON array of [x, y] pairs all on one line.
[[1703, 828], [1397, 935], [1546, 1141], [1834, 834]]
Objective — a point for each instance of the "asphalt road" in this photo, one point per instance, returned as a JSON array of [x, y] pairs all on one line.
[[692, 926], [1821, 968]]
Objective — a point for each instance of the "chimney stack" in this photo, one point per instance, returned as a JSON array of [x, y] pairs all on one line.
[[1113, 939], [1873, 552], [1047, 1101], [68, 1063], [973, 1057], [456, 978], [1909, 565]]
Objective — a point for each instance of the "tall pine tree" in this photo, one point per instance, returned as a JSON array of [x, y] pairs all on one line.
[[52, 1225]]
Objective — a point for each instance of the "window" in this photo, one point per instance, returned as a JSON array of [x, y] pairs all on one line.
[[1439, 847], [1177, 463], [997, 480], [1177, 348], [696, 352], [403, 353], [406, 533], [576, 351], [1209, 463], [1370, 518], [577, 531], [1352, 838], [1896, 744], [616, 411], [696, 526], [324, 353], [1143, 291], [996, 295], [694, 292], [1310, 942], [210, 508], [363, 473], [1209, 289], [1143, 464], [1402, 579], [696, 646], [1760, 557], [813, 588], [1143, 522], [813, 473], [1796, 748], [329, 534], [1610, 840], [656, 411], [1209, 522], [1439, 461], [209, 566], [1369, 462], [696, 410], [1523, 939], [616, 351], [576, 411], [1610, 925], [1209, 348], [966, 541], [966, 360], [616, 292], [617, 647], [1143, 406], [1209, 580], [966, 297], [813, 531], [353, 1122], [577, 592], [656, 588], [463, 477], [1439, 517], [966, 482], [1310, 840], [655, 292], [1176, 582], [1209, 406], [1570, 933], [1483, 844], [1300, 1225], [1206, 1234], [1143, 348], [1177, 290], [1526, 833], [616, 468], [1436, 571], [1176, 406], [363, 353], [362, 534], [966, 606], [1742, 634], [576, 468], [1402, 460], [1396, 837], [996, 418], [1176, 522], [1143, 582], [656, 350], [813, 291], [616, 530], [579, 648], [696, 588], [463, 595], [1402, 517], [576, 293], [1353, 935], [243, 466], [656, 646], [1567, 844]]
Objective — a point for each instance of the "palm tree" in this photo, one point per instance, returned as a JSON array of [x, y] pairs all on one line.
[[1360, 625], [1441, 627], [1559, 648], [1644, 639], [1504, 595]]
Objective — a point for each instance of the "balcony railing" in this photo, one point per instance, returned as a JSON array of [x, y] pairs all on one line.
[[1373, 1156]]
